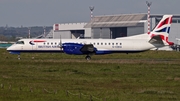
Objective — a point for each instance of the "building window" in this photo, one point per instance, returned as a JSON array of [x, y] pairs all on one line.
[[174, 21]]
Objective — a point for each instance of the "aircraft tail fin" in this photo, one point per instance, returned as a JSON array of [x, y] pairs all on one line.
[[160, 33]]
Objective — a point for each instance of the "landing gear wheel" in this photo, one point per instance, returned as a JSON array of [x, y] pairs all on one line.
[[88, 58], [19, 58]]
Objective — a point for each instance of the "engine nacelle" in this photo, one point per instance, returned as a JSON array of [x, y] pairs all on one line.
[[78, 49]]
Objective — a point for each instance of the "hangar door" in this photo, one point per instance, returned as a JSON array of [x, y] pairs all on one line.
[[103, 33], [118, 32]]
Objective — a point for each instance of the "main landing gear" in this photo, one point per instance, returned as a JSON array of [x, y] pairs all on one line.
[[19, 57], [88, 57]]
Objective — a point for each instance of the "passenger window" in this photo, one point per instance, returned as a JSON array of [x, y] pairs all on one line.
[[112, 43], [97, 43], [51, 43], [119, 43], [101, 43], [116, 43], [109, 43], [48, 43], [94, 43], [55, 43], [105, 43], [44, 43]]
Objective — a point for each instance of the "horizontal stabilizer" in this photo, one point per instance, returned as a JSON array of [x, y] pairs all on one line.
[[156, 40]]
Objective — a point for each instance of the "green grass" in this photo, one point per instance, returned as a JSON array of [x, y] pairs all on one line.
[[147, 76]]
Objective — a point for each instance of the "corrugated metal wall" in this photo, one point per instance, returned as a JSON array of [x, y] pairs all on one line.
[[105, 33], [174, 32], [96, 33]]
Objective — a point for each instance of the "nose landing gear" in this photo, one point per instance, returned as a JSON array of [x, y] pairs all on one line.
[[88, 57]]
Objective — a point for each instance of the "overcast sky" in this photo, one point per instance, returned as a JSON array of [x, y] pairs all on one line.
[[47, 12]]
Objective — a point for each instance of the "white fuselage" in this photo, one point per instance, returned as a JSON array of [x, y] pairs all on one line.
[[112, 45]]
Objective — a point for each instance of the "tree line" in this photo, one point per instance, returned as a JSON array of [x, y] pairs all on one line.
[[14, 33]]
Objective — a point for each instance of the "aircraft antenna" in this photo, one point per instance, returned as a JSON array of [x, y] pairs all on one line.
[[91, 9], [149, 8]]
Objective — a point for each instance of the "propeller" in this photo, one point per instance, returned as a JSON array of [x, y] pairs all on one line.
[[60, 43]]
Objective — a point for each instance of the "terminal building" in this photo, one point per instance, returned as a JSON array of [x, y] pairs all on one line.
[[114, 26]]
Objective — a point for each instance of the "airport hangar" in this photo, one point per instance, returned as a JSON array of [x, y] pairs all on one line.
[[113, 26]]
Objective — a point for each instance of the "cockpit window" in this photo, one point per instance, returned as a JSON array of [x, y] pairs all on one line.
[[20, 42]]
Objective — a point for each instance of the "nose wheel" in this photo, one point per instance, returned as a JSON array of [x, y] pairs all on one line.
[[88, 58]]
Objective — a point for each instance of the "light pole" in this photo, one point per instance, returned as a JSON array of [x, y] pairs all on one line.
[[29, 29], [91, 9], [44, 31], [149, 8]]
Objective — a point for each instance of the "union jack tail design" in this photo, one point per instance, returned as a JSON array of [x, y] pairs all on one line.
[[162, 30]]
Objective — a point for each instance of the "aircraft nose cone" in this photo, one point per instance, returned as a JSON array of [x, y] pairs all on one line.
[[8, 49]]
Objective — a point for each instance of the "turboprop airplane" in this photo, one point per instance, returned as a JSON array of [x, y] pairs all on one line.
[[138, 43]]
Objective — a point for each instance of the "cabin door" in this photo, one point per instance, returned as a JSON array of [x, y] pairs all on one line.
[[34, 46]]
